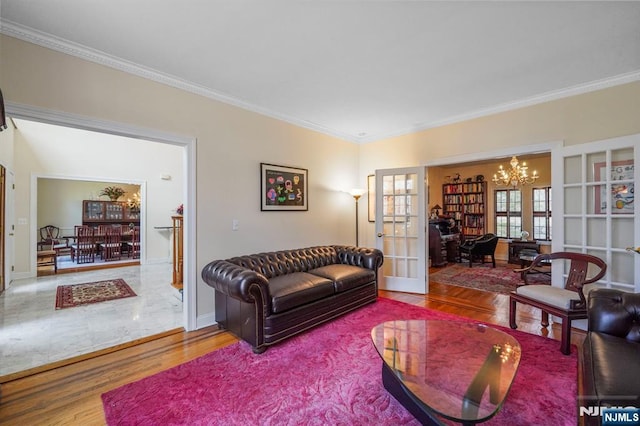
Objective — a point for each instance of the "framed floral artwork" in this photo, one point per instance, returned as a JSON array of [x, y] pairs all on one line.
[[283, 188]]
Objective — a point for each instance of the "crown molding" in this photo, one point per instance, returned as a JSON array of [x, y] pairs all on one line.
[[49, 41], [580, 89], [58, 44]]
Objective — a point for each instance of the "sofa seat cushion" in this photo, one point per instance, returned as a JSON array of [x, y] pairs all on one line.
[[614, 361], [345, 277], [292, 290]]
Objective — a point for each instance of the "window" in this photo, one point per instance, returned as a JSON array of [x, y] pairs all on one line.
[[508, 210], [542, 213]]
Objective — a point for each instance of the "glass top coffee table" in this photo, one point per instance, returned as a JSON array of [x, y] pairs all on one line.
[[457, 370]]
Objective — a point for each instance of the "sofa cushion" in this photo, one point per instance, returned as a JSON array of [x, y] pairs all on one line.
[[291, 290], [613, 361], [345, 277]]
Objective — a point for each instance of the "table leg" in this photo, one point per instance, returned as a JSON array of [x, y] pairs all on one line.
[[406, 399]]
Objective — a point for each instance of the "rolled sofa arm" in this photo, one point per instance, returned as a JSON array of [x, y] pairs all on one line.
[[615, 312], [364, 257], [238, 282]]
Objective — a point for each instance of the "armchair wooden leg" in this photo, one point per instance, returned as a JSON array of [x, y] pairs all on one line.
[[545, 319], [565, 343], [512, 314]]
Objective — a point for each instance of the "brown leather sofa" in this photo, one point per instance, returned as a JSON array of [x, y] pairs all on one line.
[[610, 355], [267, 297]]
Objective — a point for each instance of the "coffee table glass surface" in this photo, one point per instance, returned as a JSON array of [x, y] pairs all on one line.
[[458, 370]]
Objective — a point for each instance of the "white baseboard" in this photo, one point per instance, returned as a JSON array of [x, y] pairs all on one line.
[[157, 260], [206, 320]]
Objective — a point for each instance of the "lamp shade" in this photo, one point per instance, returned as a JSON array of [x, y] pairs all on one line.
[[357, 192], [436, 207]]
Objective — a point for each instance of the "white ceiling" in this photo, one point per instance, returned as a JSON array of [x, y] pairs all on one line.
[[359, 70]]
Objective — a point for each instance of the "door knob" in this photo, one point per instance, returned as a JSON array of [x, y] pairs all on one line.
[[380, 234]]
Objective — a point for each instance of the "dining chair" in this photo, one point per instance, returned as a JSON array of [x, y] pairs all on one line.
[[568, 302], [83, 249], [134, 244], [111, 246], [50, 239]]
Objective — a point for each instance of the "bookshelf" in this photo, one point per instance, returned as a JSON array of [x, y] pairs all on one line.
[[465, 202]]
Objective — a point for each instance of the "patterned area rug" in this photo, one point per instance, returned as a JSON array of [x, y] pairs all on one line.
[[501, 279], [68, 296], [330, 375]]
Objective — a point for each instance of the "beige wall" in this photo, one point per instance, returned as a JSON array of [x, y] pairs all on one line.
[[231, 143]]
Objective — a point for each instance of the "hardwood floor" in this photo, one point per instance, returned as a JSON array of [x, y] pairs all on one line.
[[70, 395]]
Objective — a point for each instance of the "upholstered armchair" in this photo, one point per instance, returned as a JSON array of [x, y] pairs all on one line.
[[479, 248]]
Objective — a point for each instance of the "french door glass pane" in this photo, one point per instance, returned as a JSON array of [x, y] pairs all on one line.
[[621, 270], [621, 237], [573, 200], [596, 235], [594, 163], [573, 231], [572, 170]]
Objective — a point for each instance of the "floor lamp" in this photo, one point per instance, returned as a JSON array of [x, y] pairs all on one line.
[[356, 193]]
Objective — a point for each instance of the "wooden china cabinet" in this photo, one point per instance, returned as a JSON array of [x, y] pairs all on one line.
[[95, 212]]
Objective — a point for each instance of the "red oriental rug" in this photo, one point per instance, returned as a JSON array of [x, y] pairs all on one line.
[[330, 375], [501, 279], [68, 296]]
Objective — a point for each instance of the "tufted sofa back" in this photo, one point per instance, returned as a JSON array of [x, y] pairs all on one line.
[[615, 312], [273, 264]]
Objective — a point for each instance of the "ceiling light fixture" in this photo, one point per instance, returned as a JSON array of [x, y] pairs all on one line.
[[516, 176]]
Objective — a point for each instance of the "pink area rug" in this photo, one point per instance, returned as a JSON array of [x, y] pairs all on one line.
[[330, 375]]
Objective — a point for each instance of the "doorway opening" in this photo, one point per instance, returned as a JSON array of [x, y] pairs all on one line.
[[155, 267]]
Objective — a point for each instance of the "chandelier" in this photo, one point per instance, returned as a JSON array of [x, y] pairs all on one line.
[[134, 204], [517, 174]]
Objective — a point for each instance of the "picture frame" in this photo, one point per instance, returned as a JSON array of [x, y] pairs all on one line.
[[621, 196], [371, 197], [283, 188]]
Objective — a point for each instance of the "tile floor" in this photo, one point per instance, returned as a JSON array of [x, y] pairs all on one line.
[[33, 333]]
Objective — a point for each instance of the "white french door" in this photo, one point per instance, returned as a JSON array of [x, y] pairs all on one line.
[[401, 228], [596, 209]]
